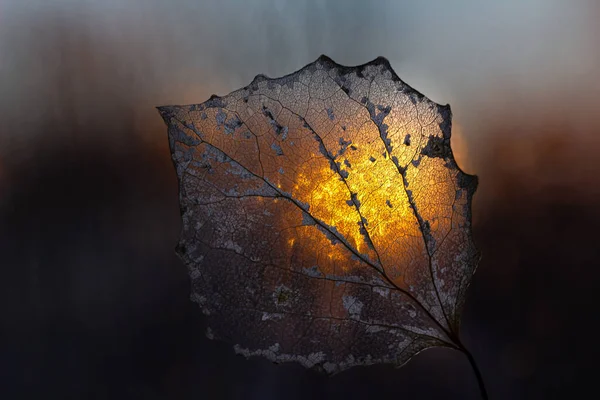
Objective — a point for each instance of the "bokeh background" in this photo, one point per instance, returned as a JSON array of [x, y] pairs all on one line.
[[94, 303]]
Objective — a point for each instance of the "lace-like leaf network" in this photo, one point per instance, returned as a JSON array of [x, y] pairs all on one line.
[[325, 220]]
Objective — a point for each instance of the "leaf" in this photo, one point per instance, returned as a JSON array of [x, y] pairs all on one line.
[[325, 220]]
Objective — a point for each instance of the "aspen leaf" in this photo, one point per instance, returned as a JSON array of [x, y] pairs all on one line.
[[325, 220]]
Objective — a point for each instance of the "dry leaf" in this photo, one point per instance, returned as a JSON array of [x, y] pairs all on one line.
[[325, 220]]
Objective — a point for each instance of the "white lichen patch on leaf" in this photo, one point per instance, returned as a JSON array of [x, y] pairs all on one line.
[[271, 316], [383, 292], [353, 306], [325, 220], [229, 244], [272, 353]]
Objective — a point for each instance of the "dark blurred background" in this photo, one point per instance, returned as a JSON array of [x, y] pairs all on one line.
[[94, 303]]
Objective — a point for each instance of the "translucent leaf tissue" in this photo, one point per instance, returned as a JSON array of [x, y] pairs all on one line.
[[325, 220]]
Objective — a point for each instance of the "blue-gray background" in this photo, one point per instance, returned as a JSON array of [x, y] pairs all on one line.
[[94, 302]]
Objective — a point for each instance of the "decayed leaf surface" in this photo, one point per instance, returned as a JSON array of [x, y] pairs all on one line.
[[325, 220]]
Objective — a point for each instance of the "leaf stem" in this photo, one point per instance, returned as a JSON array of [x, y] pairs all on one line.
[[480, 382]]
